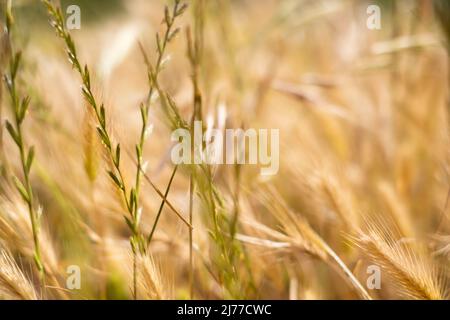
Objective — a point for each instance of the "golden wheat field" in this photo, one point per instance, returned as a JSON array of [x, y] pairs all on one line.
[[355, 204]]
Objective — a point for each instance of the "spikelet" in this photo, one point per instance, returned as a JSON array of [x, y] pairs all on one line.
[[15, 234], [91, 146], [299, 235], [14, 285], [15, 231], [414, 274]]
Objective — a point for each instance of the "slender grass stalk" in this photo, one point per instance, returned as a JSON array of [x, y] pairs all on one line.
[[195, 52], [153, 74], [230, 250], [91, 163], [158, 215], [442, 10], [5, 54], [114, 151], [130, 197], [19, 108], [207, 191], [236, 195], [191, 235], [165, 200]]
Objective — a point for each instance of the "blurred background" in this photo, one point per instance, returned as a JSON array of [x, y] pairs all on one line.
[[363, 117]]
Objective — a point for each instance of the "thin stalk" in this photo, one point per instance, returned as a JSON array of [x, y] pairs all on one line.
[[236, 201], [348, 274], [153, 75], [2, 148], [135, 291], [131, 197], [195, 50], [191, 257], [166, 201], [158, 215], [19, 108]]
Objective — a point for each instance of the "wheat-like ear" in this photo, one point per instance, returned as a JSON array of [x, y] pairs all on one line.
[[15, 233], [14, 285], [298, 236], [19, 108], [415, 275], [152, 284]]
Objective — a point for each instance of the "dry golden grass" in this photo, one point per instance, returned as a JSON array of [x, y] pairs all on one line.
[[414, 275], [14, 285], [364, 173]]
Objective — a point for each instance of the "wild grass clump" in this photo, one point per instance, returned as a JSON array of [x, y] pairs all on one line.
[[131, 197], [364, 175]]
